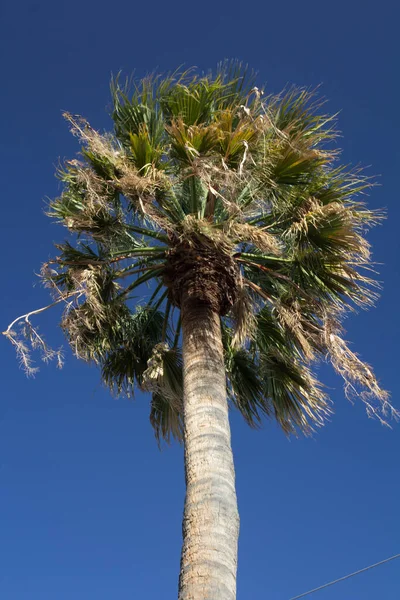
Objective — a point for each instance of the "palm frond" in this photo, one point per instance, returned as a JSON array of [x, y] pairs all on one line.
[[126, 361], [166, 419], [163, 377], [296, 396], [245, 387]]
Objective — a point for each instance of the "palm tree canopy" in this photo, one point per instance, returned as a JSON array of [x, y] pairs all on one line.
[[208, 185]]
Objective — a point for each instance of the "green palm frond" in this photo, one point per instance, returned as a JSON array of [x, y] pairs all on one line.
[[145, 154], [245, 387], [127, 359], [163, 377], [166, 419], [133, 113], [296, 396], [193, 101]]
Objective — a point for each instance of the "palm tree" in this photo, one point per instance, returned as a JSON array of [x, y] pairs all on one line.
[[226, 213]]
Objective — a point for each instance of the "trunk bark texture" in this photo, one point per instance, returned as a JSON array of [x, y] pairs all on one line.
[[211, 520]]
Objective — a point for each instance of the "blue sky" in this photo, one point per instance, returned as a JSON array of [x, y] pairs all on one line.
[[89, 507]]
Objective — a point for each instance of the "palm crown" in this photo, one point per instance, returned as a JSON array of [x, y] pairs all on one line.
[[206, 179]]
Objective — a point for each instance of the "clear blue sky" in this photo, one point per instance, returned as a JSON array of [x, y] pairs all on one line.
[[89, 507]]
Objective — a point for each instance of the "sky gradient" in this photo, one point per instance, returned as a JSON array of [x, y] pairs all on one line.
[[89, 507]]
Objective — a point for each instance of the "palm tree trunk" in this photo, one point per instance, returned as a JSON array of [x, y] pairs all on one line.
[[211, 520]]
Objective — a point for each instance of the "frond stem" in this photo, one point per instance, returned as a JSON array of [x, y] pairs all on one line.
[[152, 272], [257, 289], [166, 317], [177, 332], [154, 295], [27, 316], [149, 233], [160, 300], [274, 274], [139, 251]]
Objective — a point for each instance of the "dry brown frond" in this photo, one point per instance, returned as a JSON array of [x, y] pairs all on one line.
[[36, 341], [345, 235], [97, 190], [261, 239], [132, 185], [359, 379], [102, 145], [23, 353], [138, 187], [243, 316], [193, 229], [154, 380], [87, 280], [316, 405], [301, 216], [291, 318], [78, 324]]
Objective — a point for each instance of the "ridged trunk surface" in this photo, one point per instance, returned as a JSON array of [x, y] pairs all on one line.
[[211, 520]]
